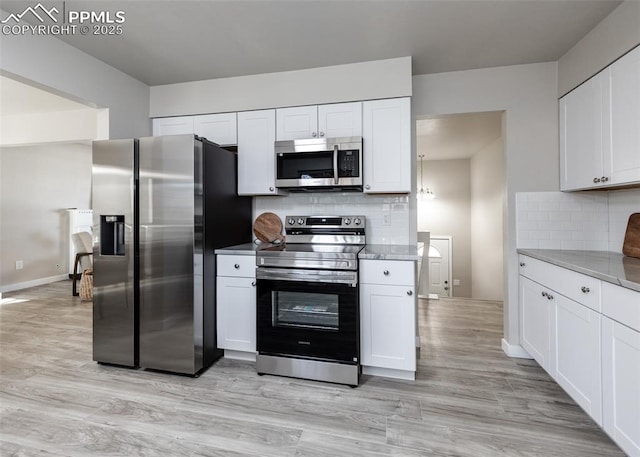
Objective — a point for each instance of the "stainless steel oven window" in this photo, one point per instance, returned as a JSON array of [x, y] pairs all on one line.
[[306, 310]]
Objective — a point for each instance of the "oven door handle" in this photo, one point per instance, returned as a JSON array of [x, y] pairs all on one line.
[[349, 278], [335, 163]]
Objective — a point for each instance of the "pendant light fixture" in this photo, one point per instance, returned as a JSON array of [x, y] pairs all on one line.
[[424, 194]]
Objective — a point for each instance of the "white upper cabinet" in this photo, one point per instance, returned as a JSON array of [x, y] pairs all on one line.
[[219, 128], [340, 120], [297, 123], [386, 132], [256, 152], [600, 128], [622, 134], [328, 121], [581, 159], [172, 125]]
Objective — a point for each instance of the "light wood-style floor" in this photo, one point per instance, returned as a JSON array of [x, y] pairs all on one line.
[[469, 398]]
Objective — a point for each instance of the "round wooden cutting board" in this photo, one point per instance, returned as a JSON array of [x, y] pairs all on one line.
[[268, 228]]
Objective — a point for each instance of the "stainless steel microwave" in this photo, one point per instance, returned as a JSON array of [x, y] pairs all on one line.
[[319, 164]]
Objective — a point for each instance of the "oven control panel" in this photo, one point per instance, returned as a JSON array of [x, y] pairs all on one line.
[[325, 222]]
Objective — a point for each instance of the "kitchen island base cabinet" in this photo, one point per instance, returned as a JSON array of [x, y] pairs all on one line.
[[388, 318], [621, 385]]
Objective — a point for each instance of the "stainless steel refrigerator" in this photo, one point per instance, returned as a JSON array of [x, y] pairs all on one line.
[[182, 192]]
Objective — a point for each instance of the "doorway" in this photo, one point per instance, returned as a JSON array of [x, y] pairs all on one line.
[[460, 174], [440, 267]]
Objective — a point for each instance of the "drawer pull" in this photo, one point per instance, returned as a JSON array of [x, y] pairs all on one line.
[[585, 290], [409, 293], [253, 283], [522, 264], [386, 272], [236, 266]]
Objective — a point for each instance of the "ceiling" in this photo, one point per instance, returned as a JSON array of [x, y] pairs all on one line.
[[17, 98], [177, 41], [457, 136]]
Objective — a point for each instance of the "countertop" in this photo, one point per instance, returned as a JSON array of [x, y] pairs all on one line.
[[370, 251], [239, 249], [391, 252], [611, 267]]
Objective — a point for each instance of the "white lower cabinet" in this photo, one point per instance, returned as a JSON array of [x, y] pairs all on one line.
[[535, 315], [621, 385], [236, 308], [576, 343], [586, 334], [387, 320]]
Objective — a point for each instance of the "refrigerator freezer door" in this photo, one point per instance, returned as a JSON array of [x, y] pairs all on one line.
[[170, 187], [114, 252]]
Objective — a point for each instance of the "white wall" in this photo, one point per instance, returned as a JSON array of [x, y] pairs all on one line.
[[615, 35], [487, 204], [340, 83], [528, 95], [449, 214], [49, 127], [53, 65], [37, 184]]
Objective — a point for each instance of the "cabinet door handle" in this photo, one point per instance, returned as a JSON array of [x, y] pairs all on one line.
[[321, 133], [386, 272], [549, 297], [253, 283], [409, 293], [596, 180], [367, 187], [604, 179], [544, 294], [585, 290], [236, 266], [314, 134], [270, 189], [522, 264]]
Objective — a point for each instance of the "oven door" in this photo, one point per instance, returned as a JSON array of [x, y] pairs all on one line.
[[307, 317]]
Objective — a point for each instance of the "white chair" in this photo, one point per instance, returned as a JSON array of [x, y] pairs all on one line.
[[83, 244]]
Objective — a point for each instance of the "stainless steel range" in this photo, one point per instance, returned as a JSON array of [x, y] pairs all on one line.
[[307, 300]]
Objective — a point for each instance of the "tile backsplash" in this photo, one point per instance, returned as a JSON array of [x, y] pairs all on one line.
[[580, 220], [622, 204], [387, 216]]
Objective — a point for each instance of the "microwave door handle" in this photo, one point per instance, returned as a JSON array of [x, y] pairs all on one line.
[[335, 164]]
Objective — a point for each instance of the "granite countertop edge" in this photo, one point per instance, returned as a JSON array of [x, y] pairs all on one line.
[[601, 265], [390, 252], [239, 249]]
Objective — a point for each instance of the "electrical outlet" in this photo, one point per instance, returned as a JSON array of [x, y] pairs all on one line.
[[386, 218], [456, 282], [19, 264]]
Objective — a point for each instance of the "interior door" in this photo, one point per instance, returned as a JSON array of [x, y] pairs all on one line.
[[439, 262]]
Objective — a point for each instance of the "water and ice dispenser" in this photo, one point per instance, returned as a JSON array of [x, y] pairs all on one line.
[[112, 234]]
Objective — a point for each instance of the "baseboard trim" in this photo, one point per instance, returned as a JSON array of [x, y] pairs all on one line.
[[515, 350], [32, 283], [240, 355], [389, 373]]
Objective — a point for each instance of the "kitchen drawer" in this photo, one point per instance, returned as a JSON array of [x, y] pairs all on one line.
[[621, 304], [393, 272], [242, 266], [576, 286]]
